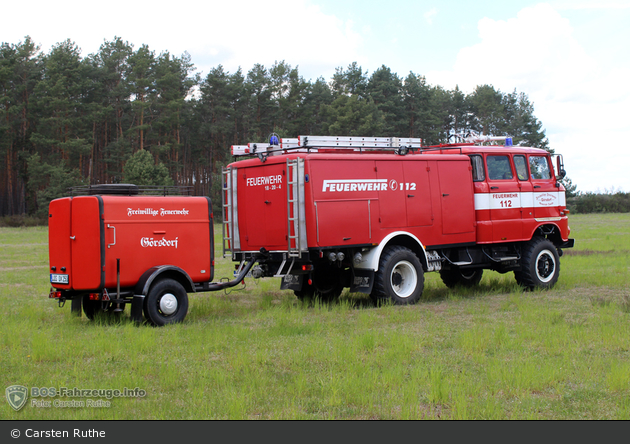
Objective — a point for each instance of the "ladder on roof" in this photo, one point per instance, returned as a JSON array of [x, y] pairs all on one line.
[[380, 143], [313, 143], [226, 201]]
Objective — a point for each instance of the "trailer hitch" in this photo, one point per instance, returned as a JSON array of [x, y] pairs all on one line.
[[222, 285]]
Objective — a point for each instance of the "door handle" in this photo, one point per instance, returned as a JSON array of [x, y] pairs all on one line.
[[113, 228], [494, 188]]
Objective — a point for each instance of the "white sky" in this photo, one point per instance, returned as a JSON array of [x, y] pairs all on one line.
[[571, 57]]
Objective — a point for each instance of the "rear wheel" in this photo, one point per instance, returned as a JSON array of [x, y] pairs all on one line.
[[166, 303], [456, 276], [540, 264], [326, 284], [400, 277]]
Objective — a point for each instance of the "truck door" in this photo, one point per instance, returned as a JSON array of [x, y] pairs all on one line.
[[504, 199], [407, 187], [546, 196], [417, 190], [59, 242], [87, 240], [526, 189], [262, 203], [391, 200], [456, 191]]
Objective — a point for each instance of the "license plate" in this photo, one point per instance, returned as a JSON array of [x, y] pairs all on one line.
[[59, 279]]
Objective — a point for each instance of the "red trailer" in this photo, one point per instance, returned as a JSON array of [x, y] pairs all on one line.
[[113, 248]]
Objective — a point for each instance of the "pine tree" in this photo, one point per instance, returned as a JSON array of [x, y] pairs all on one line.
[[141, 78], [384, 88], [351, 82], [352, 116], [111, 112], [141, 169], [20, 70]]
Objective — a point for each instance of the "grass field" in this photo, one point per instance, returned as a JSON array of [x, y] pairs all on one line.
[[257, 353]]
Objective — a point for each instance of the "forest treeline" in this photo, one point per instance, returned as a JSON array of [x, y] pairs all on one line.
[[128, 114]]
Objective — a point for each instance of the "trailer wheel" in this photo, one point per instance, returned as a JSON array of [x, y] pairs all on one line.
[[92, 308], [456, 276], [400, 277], [166, 303], [540, 264]]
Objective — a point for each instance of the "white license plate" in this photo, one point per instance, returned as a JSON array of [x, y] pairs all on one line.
[[59, 279]]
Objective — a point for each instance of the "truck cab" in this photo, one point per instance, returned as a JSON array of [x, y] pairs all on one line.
[[516, 191]]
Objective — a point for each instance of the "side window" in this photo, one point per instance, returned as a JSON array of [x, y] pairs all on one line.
[[521, 167], [539, 167], [499, 168], [477, 168]]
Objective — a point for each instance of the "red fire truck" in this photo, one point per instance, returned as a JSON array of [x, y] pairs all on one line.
[[323, 213], [375, 214]]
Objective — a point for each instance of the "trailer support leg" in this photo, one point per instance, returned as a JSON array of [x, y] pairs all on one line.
[[136, 308]]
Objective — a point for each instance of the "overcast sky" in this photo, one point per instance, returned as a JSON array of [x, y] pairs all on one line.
[[572, 58]]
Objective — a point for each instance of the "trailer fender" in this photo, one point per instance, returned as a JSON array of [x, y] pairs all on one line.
[[149, 276], [371, 258]]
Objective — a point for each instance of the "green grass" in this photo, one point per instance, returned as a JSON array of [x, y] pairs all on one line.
[[494, 352]]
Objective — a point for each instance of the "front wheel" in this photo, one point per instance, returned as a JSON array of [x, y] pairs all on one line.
[[166, 303], [400, 277], [540, 264]]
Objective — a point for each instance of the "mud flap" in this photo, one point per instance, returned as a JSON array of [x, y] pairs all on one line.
[[362, 281], [75, 308], [292, 282], [136, 308]]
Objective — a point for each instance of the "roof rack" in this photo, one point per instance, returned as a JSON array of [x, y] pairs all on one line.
[[127, 189], [326, 143], [473, 137]]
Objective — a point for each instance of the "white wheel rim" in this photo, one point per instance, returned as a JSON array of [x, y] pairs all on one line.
[[168, 304], [406, 273], [545, 266]]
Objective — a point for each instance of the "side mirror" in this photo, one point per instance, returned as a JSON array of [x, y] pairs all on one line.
[[562, 174], [560, 168]]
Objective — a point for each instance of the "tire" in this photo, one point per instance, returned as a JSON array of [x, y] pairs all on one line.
[[327, 285], [312, 293], [93, 308], [540, 265], [400, 277], [90, 308], [457, 277], [166, 303]]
